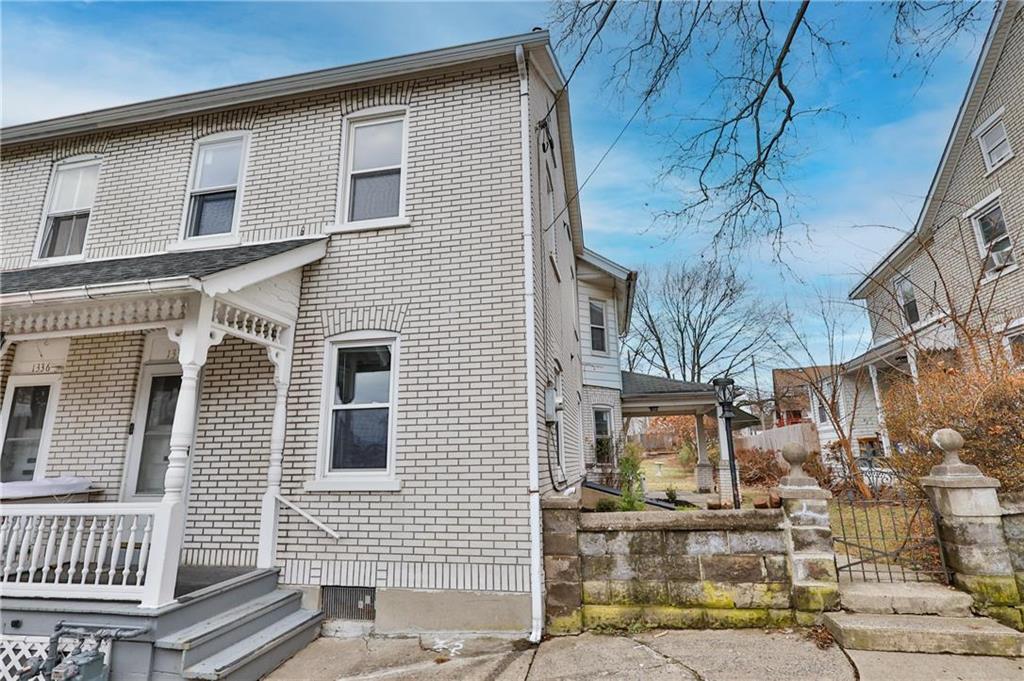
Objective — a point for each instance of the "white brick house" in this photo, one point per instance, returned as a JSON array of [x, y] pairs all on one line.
[[964, 252], [318, 324]]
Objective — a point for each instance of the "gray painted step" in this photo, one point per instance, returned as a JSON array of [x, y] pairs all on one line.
[[213, 635], [260, 654], [213, 600], [905, 598], [924, 634]]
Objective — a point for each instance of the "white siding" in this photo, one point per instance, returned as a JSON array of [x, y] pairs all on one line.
[[599, 368]]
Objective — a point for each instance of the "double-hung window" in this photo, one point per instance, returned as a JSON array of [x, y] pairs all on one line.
[[906, 295], [993, 239], [67, 215], [598, 330], [995, 145], [216, 180], [603, 435], [374, 189], [359, 410]]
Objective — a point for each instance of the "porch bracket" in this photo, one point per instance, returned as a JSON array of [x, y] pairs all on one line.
[[308, 516]]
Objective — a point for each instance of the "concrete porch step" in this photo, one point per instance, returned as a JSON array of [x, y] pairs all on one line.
[[924, 634], [256, 656], [220, 631], [904, 598]]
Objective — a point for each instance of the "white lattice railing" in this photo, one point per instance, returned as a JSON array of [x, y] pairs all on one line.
[[93, 551]]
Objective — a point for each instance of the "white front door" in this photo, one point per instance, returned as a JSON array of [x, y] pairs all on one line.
[[151, 435]]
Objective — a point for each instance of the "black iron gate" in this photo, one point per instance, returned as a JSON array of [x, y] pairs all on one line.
[[885, 530]]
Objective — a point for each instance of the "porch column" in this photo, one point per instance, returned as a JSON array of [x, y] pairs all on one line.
[[704, 471], [282, 360], [194, 339], [886, 446]]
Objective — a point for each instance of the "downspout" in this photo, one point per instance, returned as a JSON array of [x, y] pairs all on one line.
[[536, 575]]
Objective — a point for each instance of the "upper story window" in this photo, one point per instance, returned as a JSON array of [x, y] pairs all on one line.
[[360, 377], [906, 295], [216, 183], [598, 330], [995, 145], [67, 213], [993, 239], [374, 189]]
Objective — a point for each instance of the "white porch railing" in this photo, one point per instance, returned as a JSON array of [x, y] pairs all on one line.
[[91, 551]]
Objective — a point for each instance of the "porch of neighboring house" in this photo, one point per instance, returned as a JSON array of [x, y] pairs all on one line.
[[144, 421], [646, 396]]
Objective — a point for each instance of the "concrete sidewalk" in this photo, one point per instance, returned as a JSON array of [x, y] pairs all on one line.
[[734, 655]]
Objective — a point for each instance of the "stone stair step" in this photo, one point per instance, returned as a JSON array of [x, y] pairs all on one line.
[[924, 634], [905, 598]]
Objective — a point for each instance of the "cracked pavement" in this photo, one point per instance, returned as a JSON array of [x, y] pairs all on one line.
[[687, 655]]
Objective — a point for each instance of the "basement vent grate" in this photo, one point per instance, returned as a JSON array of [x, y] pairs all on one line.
[[348, 602]]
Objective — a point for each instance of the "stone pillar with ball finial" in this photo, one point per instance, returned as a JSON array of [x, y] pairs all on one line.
[[810, 556], [971, 535]]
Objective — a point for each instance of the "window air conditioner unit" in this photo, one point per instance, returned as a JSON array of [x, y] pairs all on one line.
[[1001, 259]]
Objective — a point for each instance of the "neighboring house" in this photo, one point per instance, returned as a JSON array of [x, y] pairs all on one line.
[[965, 252], [326, 324], [789, 391]]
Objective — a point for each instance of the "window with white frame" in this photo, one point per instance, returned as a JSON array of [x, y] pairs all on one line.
[[906, 295], [72, 193], [216, 180], [1015, 348], [360, 391], [995, 145], [598, 329], [993, 239], [822, 411], [603, 451], [27, 420], [375, 169]]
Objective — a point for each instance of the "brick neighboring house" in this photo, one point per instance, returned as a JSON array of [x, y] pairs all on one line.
[[968, 240], [327, 326]]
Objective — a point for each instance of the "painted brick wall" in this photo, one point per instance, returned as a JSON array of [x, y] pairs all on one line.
[[97, 396], [954, 245], [596, 396], [451, 284], [229, 463]]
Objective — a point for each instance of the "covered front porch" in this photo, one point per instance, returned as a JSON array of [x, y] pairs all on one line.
[[161, 381]]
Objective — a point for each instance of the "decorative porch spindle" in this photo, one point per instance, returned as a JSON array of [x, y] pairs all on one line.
[[182, 432]]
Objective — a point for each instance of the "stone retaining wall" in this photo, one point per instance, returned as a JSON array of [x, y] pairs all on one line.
[[680, 569]]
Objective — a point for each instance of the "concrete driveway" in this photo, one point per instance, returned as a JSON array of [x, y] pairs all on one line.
[[734, 655]]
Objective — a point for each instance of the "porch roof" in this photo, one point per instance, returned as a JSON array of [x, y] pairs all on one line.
[[645, 395], [181, 265]]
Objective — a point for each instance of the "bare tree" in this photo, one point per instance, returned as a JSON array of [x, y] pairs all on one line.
[[697, 321], [735, 145], [826, 370]]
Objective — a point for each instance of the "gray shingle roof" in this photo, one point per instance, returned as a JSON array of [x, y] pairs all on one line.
[[643, 384], [196, 264]]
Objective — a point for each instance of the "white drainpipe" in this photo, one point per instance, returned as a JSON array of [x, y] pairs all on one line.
[[536, 574]]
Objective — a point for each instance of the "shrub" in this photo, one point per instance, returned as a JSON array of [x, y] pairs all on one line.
[[631, 479], [671, 495], [985, 403], [759, 468], [606, 505]]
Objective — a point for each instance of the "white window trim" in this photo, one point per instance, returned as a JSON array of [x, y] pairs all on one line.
[[906, 323], [377, 114], [971, 214], [590, 328], [327, 480], [1010, 331], [52, 380], [985, 126], [232, 238], [74, 161]]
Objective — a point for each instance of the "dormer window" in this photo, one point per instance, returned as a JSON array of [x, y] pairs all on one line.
[[995, 145], [67, 215], [216, 178]]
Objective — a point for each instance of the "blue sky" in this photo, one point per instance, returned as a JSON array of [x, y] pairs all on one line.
[[870, 166]]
